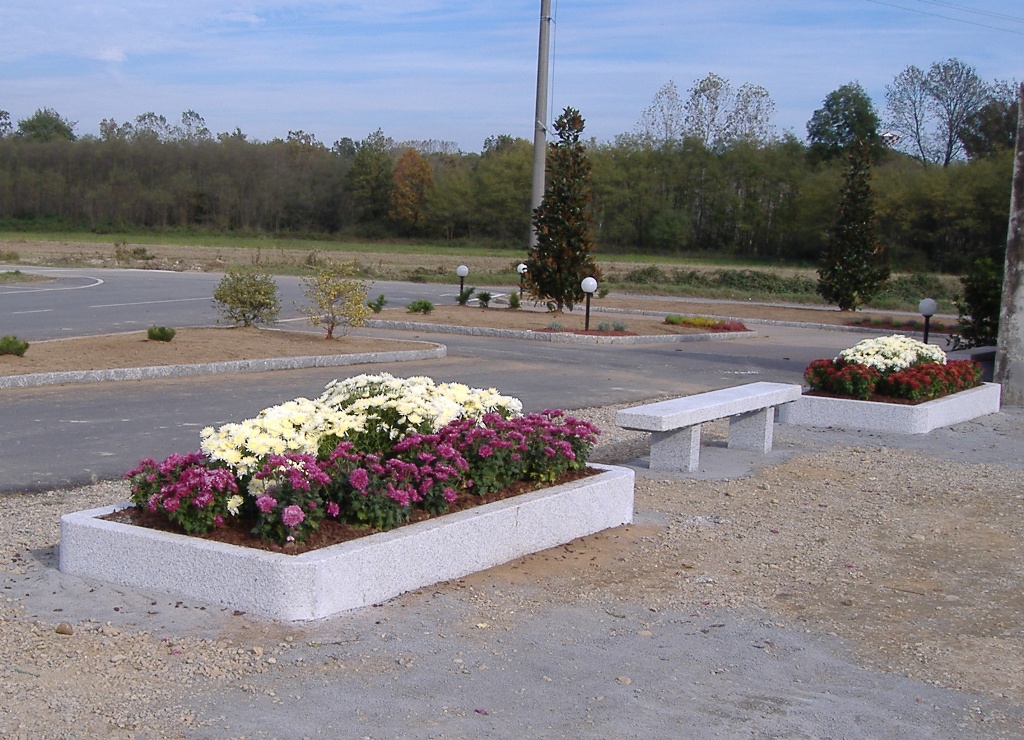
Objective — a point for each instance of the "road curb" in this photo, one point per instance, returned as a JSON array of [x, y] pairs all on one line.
[[32, 380]]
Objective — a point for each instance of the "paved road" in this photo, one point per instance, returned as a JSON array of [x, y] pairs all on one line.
[[54, 437]]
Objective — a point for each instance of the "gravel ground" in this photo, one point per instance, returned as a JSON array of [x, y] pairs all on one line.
[[847, 585]]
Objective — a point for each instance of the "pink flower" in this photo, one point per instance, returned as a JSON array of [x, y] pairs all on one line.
[[359, 479], [333, 510], [292, 516], [266, 503]]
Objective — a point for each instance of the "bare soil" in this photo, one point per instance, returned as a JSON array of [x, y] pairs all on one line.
[[189, 346]]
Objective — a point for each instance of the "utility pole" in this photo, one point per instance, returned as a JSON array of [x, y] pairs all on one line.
[[541, 119], [1009, 369]]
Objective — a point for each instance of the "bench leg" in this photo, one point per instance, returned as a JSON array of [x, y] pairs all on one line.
[[752, 430], [676, 450]]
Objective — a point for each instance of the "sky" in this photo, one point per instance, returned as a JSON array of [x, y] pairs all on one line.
[[464, 70]]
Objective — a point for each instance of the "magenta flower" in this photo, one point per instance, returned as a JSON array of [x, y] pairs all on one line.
[[359, 479], [333, 510], [292, 516], [266, 503]]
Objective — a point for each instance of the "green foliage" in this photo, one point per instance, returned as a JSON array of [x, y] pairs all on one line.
[[979, 306], [514, 302], [371, 177], [619, 325], [377, 305], [160, 333], [853, 267], [483, 298], [421, 305], [46, 125], [337, 298], [556, 326], [11, 345], [247, 297], [847, 116], [564, 255], [464, 295]]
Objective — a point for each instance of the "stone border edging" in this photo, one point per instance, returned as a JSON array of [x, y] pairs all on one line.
[[32, 380], [350, 575]]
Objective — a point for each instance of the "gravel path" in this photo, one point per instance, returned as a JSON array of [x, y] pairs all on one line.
[[847, 585]]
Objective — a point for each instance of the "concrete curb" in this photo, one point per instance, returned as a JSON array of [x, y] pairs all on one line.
[[31, 380], [366, 571], [559, 337]]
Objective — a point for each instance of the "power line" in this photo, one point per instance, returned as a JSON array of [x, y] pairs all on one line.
[[975, 11], [950, 18]]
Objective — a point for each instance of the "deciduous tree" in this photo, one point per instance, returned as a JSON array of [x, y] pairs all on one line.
[[46, 124], [412, 182], [337, 297], [846, 116]]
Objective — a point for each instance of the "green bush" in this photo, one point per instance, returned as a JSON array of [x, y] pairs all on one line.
[[514, 302], [378, 305], [11, 345], [484, 298], [464, 296], [421, 305], [979, 307], [160, 333], [247, 297]]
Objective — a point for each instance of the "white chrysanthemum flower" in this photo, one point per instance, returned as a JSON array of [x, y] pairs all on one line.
[[892, 353]]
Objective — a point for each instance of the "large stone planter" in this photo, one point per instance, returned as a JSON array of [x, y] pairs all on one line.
[[359, 573], [841, 413]]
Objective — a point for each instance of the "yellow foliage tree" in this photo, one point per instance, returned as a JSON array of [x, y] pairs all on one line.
[[413, 180], [337, 298]]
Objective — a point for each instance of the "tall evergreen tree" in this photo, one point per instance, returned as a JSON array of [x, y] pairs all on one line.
[[853, 265], [564, 253]]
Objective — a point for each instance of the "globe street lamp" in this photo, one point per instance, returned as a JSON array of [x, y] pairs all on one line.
[[589, 286], [462, 271], [927, 308], [521, 269]]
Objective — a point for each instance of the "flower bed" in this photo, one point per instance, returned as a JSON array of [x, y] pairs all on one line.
[[369, 452], [362, 572], [912, 386]]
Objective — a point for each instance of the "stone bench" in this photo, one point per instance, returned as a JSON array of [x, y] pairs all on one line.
[[675, 425]]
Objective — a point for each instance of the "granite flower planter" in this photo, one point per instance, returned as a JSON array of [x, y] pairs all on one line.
[[325, 582], [842, 413]]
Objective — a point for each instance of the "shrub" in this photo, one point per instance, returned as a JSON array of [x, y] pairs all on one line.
[[378, 304], [979, 306], [514, 302], [555, 326], [645, 275], [619, 325], [484, 298], [11, 345], [604, 326], [464, 295], [337, 299], [247, 297], [160, 333], [421, 305]]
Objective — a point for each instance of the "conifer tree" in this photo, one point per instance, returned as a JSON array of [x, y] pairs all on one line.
[[563, 255], [853, 265]]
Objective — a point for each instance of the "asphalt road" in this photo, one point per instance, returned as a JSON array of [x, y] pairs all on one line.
[[61, 436]]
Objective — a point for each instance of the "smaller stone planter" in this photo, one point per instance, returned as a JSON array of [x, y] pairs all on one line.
[[843, 413], [325, 582]]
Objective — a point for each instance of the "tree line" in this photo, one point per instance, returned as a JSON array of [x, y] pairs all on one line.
[[704, 173]]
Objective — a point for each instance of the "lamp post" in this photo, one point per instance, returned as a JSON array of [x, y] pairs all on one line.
[[462, 271], [521, 269], [589, 286], [927, 308]]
